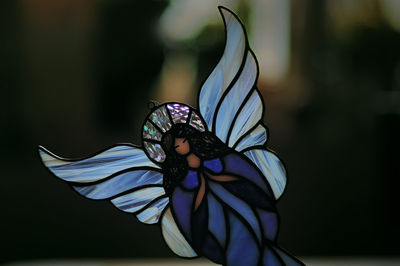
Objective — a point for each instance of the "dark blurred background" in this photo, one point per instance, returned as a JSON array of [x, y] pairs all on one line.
[[77, 76]]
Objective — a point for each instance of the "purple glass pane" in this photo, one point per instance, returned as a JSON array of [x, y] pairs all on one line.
[[191, 180], [179, 112], [214, 165]]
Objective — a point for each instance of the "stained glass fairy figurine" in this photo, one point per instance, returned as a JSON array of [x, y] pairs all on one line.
[[204, 175]]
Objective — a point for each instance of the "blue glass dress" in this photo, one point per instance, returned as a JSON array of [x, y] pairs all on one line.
[[234, 218]]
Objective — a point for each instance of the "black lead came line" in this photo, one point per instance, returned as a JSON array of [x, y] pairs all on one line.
[[243, 104], [130, 191], [244, 58], [239, 215], [130, 169], [155, 126], [251, 91], [228, 89], [221, 8], [151, 203], [43, 149]]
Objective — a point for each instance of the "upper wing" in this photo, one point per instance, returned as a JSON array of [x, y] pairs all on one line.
[[229, 100], [232, 106], [122, 174], [271, 166], [225, 71]]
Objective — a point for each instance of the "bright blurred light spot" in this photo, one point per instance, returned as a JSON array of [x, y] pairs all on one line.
[[269, 29], [177, 80], [270, 38], [391, 11], [184, 19]]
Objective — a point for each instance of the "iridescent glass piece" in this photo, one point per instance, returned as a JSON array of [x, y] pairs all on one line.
[[150, 132], [179, 112], [196, 122], [155, 151], [161, 119]]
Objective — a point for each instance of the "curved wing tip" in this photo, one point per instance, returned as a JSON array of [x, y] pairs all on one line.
[[220, 7], [42, 151], [225, 12], [223, 8], [46, 156]]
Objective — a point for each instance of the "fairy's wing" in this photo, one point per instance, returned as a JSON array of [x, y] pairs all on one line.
[[232, 106], [174, 238], [122, 174]]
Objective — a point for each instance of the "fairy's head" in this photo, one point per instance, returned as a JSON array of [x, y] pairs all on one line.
[[167, 123], [174, 131]]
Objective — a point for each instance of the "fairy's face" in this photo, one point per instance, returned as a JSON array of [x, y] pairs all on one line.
[[182, 146]]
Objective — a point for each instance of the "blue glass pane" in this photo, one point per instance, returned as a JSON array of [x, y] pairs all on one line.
[[212, 250], [270, 258], [97, 167], [249, 116], [235, 97], [226, 69], [174, 238], [257, 136], [120, 183], [136, 200], [271, 167], [238, 205], [242, 248], [181, 204], [216, 219], [152, 213], [269, 222], [236, 165], [251, 194]]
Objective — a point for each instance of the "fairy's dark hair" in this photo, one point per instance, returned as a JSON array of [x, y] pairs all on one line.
[[205, 145]]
